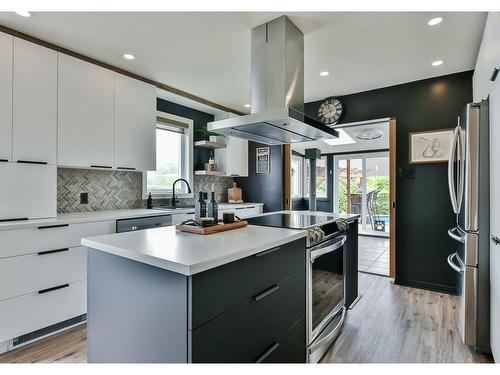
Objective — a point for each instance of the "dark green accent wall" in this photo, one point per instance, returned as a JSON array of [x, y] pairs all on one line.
[[265, 188], [424, 212]]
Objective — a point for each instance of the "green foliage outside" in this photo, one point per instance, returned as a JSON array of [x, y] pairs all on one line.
[[372, 183]]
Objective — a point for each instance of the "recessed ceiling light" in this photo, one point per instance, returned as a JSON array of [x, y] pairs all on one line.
[[128, 56], [435, 21], [324, 74], [24, 14], [437, 62], [247, 105]]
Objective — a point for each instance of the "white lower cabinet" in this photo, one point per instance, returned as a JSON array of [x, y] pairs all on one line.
[[27, 191], [33, 311], [43, 272], [30, 273], [50, 237]]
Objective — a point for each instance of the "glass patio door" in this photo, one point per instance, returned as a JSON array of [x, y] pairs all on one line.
[[362, 187]]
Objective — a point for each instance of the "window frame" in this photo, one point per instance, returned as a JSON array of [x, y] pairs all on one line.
[[301, 177], [305, 184], [186, 161]]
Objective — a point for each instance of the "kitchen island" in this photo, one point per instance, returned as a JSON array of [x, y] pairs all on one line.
[[164, 296], [161, 295]]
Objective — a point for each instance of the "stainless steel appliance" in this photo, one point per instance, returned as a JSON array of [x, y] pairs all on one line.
[[325, 274], [277, 85], [468, 180], [141, 223]]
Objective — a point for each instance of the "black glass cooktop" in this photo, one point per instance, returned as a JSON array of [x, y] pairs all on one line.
[[292, 220]]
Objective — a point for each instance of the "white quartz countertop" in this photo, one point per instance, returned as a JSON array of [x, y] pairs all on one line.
[[83, 217], [189, 253]]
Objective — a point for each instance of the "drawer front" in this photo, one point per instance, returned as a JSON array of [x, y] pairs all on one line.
[[30, 312], [245, 332], [49, 237], [30, 273], [217, 290], [290, 348], [243, 213]]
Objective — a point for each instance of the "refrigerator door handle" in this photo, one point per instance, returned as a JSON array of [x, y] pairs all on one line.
[[453, 233], [451, 170], [460, 269]]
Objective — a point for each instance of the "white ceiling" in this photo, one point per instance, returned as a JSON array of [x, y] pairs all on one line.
[[358, 145], [208, 54]]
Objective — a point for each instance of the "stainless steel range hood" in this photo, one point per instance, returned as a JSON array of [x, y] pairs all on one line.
[[277, 83]]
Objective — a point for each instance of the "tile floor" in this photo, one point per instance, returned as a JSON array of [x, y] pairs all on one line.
[[373, 255]]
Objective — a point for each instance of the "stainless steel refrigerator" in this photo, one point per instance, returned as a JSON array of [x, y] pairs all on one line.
[[468, 180]]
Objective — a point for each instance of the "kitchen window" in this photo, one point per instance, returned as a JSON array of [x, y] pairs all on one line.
[[174, 152], [297, 176], [321, 178]]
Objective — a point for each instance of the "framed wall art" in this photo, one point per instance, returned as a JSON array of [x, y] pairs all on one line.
[[263, 155], [430, 146]]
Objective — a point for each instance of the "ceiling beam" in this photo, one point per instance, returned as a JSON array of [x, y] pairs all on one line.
[[116, 69]]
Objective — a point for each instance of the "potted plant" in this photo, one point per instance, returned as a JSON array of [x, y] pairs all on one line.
[[212, 136]]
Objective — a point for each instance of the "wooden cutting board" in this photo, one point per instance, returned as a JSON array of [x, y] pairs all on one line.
[[217, 228], [234, 194]]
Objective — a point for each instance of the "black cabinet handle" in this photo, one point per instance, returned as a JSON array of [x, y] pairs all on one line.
[[266, 292], [101, 166], [53, 288], [32, 162], [268, 351], [4, 160], [53, 251], [54, 226], [494, 74], [15, 219], [267, 252], [127, 168]]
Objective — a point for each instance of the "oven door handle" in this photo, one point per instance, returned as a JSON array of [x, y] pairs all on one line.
[[328, 249], [330, 336]]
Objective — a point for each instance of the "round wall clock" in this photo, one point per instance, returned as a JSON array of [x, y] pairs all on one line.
[[330, 111]]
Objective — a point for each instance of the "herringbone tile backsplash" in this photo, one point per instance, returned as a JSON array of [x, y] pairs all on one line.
[[108, 190], [114, 190]]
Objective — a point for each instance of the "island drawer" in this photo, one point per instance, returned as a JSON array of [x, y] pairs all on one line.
[[34, 311], [49, 237], [245, 332], [217, 290], [30, 273], [290, 348]]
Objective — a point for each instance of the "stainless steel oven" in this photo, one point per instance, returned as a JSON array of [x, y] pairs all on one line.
[[325, 294]]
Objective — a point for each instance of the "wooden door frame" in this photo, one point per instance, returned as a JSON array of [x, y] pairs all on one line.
[[287, 197], [392, 194]]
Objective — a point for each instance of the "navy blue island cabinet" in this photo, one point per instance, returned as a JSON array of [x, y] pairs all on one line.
[[250, 310]]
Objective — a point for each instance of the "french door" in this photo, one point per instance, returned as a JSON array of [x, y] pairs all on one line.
[[362, 186]]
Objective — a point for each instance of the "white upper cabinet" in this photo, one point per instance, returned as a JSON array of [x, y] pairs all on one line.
[[488, 58], [34, 103], [5, 97], [85, 114], [135, 124], [233, 160]]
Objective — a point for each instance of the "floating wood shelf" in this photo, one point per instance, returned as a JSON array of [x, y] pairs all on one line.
[[209, 145], [209, 173]]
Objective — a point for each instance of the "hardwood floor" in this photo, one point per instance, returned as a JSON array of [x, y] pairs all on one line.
[[396, 324], [390, 323]]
